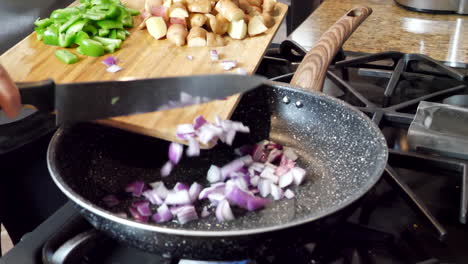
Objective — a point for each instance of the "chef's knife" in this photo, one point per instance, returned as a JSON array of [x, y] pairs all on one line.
[[88, 101]]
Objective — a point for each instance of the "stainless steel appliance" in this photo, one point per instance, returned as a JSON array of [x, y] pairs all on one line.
[[456, 6]]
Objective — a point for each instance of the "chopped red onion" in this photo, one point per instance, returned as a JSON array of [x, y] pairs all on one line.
[[205, 212], [109, 61], [160, 189], [153, 197], [224, 212], [218, 188], [178, 198], [274, 156], [298, 175], [256, 203], [237, 196], [231, 167], [285, 180], [159, 11], [214, 55], [258, 153], [215, 198], [194, 191], [228, 64], [180, 186], [110, 200], [136, 188], [290, 154], [113, 68], [264, 187], [209, 132], [199, 122], [241, 183], [163, 214], [289, 194], [269, 173], [186, 214], [184, 131], [276, 192], [214, 174], [254, 180], [175, 152], [230, 134], [144, 209], [167, 168], [137, 216], [175, 209], [247, 159], [193, 149]]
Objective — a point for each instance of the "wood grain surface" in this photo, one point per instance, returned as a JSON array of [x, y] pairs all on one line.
[[141, 56], [312, 71]]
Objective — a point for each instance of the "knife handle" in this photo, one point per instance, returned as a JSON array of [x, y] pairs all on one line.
[[40, 94]]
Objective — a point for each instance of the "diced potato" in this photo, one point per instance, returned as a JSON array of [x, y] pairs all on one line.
[[229, 10], [256, 2], [167, 3], [197, 20], [237, 29], [210, 39], [256, 26], [152, 3], [268, 20], [177, 33], [199, 6], [156, 27], [196, 37], [269, 6], [178, 10]]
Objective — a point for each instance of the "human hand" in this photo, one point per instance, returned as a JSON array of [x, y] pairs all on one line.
[[10, 101]]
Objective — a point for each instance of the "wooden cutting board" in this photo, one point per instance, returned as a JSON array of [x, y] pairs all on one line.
[[141, 56]]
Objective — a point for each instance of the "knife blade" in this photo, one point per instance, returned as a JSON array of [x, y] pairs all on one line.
[[86, 101]]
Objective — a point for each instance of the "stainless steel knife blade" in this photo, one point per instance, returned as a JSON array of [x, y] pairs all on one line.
[[86, 101]]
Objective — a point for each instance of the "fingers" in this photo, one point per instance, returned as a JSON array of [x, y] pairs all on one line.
[[10, 100]]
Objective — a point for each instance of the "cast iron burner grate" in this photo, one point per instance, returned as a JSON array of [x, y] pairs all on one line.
[[412, 78]]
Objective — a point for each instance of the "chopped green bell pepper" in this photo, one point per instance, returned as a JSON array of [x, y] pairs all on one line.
[[90, 29], [69, 23], [65, 40], [109, 24], [43, 22], [51, 35], [109, 41], [132, 12], [94, 15], [66, 56], [91, 48], [113, 34], [110, 48], [39, 33], [80, 36], [103, 32], [120, 34]]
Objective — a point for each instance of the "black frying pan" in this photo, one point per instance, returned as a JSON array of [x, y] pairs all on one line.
[[343, 152]]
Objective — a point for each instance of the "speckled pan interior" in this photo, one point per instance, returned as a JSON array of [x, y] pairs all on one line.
[[343, 152]]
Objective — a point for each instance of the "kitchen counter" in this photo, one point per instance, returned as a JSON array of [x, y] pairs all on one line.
[[392, 28]]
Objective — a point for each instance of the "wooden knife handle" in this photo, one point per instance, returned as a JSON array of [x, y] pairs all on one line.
[[311, 72]]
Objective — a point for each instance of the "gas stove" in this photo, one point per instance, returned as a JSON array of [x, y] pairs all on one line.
[[415, 214]]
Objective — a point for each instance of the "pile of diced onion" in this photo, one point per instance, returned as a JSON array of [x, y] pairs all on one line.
[[263, 172]]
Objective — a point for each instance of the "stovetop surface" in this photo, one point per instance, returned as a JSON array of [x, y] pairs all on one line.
[[386, 228]]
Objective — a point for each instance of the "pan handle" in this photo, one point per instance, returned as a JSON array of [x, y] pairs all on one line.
[[311, 72]]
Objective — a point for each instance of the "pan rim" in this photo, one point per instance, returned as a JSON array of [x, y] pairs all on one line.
[[85, 204]]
